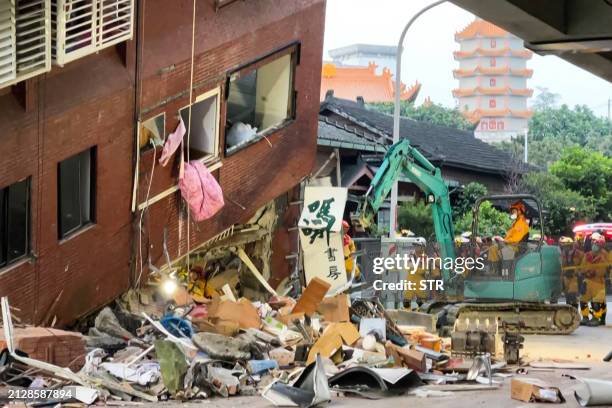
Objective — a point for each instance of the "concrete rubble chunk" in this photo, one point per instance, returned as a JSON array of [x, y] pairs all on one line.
[[222, 347], [107, 322]]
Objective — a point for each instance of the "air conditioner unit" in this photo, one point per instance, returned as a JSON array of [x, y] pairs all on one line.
[[83, 27], [25, 40]]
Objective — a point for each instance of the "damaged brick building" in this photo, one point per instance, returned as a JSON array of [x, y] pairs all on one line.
[[82, 129]]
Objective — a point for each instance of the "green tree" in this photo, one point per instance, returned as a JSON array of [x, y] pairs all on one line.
[[430, 113], [577, 125], [553, 129], [491, 221], [589, 174], [602, 144], [416, 216], [562, 206], [466, 199], [545, 98], [542, 153]]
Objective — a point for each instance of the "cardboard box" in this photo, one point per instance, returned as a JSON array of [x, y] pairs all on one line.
[[404, 356], [335, 309], [312, 296], [535, 390], [242, 312], [332, 339]]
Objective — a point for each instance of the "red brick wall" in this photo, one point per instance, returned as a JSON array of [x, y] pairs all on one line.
[[92, 102], [244, 32], [87, 103]]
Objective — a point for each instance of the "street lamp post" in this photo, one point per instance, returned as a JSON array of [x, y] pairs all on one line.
[[396, 109]]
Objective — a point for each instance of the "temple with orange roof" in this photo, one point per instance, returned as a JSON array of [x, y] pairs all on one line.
[[351, 82], [492, 78]]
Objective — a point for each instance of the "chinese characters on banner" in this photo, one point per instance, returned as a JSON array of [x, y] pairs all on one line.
[[321, 234]]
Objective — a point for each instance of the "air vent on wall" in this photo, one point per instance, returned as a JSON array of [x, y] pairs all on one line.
[[83, 27], [24, 40]]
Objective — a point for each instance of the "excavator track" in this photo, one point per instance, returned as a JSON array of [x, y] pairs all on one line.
[[537, 318]]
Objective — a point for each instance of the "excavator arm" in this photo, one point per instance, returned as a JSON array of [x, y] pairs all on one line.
[[404, 160]]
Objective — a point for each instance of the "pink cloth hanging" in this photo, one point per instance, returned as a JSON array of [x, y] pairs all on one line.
[[172, 143], [201, 191]]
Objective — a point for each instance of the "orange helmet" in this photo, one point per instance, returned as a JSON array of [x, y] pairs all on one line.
[[518, 206]]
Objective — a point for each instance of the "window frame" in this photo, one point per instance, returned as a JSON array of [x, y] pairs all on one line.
[[4, 215], [141, 123], [210, 158], [212, 163], [293, 50], [93, 173]]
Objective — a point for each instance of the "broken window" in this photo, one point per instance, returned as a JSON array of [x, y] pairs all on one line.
[[14, 221], [202, 137], [76, 179], [151, 132], [258, 101]]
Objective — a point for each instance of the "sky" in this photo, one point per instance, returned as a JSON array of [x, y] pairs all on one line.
[[429, 46]]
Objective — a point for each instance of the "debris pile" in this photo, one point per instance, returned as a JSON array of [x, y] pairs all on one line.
[[291, 352]]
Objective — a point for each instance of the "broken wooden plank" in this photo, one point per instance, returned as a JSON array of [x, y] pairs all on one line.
[[247, 261]]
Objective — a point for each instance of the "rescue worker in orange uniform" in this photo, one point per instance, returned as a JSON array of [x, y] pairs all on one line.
[[594, 267], [519, 231], [571, 257], [494, 256], [349, 251], [416, 276]]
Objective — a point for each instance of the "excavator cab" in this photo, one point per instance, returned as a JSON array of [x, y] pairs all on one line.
[[527, 270]]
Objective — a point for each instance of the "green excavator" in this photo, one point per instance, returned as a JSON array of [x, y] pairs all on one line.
[[526, 283]]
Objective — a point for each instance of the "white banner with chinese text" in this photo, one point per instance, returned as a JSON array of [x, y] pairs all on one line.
[[321, 234]]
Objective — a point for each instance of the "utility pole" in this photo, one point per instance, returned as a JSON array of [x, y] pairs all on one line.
[[396, 110]]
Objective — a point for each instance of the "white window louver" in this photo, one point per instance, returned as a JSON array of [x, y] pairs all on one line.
[[83, 27], [25, 40]]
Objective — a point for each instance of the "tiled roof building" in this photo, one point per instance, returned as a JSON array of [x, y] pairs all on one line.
[[350, 82]]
